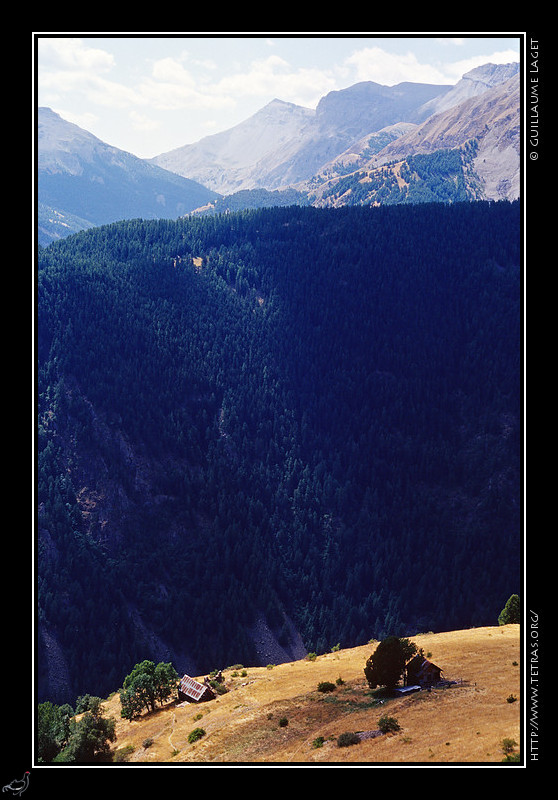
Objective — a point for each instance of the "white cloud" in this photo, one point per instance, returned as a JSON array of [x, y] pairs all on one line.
[[274, 77], [142, 123], [68, 65], [72, 54], [170, 70], [451, 41], [171, 86], [375, 64]]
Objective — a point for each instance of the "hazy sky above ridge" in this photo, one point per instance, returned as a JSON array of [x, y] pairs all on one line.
[[150, 93]]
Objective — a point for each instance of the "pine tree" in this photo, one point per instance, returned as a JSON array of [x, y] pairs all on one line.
[[511, 613]]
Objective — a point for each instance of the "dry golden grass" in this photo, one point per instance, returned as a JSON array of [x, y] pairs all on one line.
[[464, 723]]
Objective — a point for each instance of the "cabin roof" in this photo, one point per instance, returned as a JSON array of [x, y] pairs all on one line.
[[423, 663], [191, 688]]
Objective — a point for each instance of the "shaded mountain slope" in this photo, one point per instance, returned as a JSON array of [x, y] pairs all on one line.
[[298, 418]]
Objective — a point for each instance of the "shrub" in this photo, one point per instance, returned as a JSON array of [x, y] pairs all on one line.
[[218, 688], [388, 724], [326, 686], [508, 746], [196, 734], [319, 742], [347, 739], [123, 754], [283, 722]]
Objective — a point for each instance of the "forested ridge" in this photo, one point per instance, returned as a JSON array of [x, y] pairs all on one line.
[[291, 411]]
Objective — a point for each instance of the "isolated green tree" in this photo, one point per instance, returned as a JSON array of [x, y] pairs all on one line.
[[511, 611], [146, 685], [387, 663]]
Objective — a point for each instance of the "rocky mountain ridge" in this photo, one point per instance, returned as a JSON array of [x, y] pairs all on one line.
[[487, 125], [348, 127], [297, 142]]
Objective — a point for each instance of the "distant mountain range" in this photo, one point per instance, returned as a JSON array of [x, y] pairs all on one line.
[[284, 144], [357, 147]]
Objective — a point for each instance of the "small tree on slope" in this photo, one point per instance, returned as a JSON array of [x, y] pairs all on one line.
[[511, 611]]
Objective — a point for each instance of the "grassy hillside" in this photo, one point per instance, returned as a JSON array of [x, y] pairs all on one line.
[[464, 723]]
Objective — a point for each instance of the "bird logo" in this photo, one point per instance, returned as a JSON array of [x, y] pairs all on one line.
[[17, 787]]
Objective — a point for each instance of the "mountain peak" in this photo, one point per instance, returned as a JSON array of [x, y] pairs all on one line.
[[492, 74]]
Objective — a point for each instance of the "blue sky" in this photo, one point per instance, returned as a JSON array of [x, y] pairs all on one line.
[[150, 93]]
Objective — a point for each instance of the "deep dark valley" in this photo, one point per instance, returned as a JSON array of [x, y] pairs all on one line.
[[306, 416]]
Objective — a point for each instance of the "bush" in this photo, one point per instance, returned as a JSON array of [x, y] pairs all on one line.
[[347, 739], [388, 724], [326, 686], [283, 722], [196, 734], [319, 742], [508, 746], [123, 754], [218, 688]]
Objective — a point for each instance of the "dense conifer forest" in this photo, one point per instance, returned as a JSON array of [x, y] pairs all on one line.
[[291, 411]]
